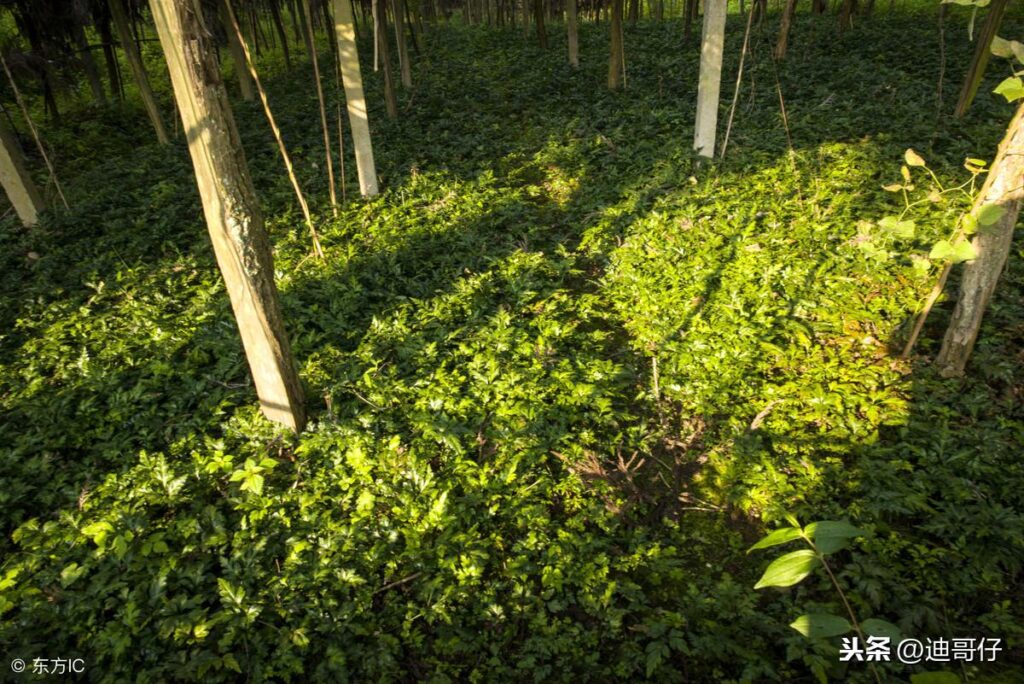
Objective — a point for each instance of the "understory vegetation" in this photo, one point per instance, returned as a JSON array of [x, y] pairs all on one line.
[[559, 379]]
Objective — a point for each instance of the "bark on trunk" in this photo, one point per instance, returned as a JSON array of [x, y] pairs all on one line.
[[782, 44], [275, 15], [1003, 187], [21, 190], [709, 86], [237, 55], [616, 58], [92, 72], [229, 203], [355, 100], [124, 35], [405, 69], [538, 13], [572, 29], [390, 101]]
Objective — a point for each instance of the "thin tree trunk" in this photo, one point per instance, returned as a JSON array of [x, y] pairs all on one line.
[[782, 44], [634, 11], [275, 15], [538, 13], [16, 180], [1004, 187], [849, 8], [92, 72], [390, 101], [307, 13], [691, 14], [237, 55], [709, 86], [232, 212], [124, 34], [110, 57], [398, 12], [982, 48], [355, 100], [616, 59], [572, 28]]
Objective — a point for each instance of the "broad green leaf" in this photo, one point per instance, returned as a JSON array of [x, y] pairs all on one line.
[[1012, 89], [989, 214], [787, 570], [893, 226], [969, 223], [963, 251], [892, 187], [779, 536], [1001, 47], [913, 158], [905, 172], [941, 250], [882, 628], [70, 573], [821, 625], [832, 535], [935, 678]]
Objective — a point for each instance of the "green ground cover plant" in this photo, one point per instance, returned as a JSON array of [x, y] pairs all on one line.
[[559, 382]]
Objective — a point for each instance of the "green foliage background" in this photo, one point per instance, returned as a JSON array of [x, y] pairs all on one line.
[[480, 349]]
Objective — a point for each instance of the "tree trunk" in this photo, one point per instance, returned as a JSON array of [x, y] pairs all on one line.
[[572, 29], [355, 101], [275, 15], [124, 35], [982, 48], [849, 8], [616, 59], [538, 14], [110, 57], [659, 10], [16, 180], [634, 11], [405, 69], [92, 72], [390, 101], [819, 6], [691, 14], [232, 213], [782, 44], [1003, 187], [708, 88], [237, 55]]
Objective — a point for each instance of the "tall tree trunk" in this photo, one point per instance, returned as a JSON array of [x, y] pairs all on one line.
[[819, 6], [110, 57], [709, 86], [355, 100], [1003, 187], [16, 180], [691, 14], [275, 15], [124, 35], [232, 212], [572, 28], [782, 44], [390, 101], [405, 69], [634, 11], [982, 48], [849, 8], [616, 59], [659, 10], [538, 13], [92, 72], [237, 55]]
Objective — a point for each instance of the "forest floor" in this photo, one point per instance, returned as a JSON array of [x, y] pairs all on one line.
[[559, 380]]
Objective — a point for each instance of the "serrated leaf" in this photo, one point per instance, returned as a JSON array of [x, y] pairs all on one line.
[[821, 625], [913, 158], [780, 536], [787, 570], [882, 628], [989, 214]]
